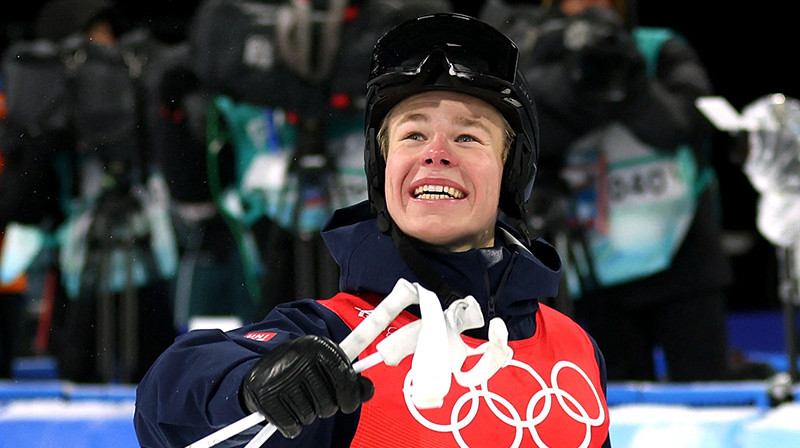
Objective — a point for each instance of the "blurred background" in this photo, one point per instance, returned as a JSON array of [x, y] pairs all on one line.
[[747, 50]]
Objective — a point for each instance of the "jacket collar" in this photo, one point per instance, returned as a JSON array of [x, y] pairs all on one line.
[[507, 278]]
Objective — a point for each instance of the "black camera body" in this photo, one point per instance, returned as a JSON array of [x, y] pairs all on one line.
[[605, 63]]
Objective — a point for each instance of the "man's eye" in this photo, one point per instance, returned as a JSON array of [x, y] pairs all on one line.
[[466, 138], [415, 136]]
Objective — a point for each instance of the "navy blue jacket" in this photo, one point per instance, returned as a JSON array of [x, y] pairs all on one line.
[[192, 390]]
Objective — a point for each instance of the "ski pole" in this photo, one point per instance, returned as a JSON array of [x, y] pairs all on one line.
[[256, 418], [403, 295], [268, 430], [461, 315]]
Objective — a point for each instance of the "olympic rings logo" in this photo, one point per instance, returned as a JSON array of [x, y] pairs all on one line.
[[509, 415]]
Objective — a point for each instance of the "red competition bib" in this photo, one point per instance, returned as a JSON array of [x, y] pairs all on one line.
[[541, 399]]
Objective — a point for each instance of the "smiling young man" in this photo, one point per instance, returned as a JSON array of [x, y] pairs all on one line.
[[451, 142], [445, 153]]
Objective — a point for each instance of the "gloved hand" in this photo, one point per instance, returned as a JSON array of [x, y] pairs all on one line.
[[302, 379]]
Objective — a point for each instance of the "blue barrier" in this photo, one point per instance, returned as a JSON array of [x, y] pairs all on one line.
[[747, 393], [643, 415], [35, 368], [13, 390]]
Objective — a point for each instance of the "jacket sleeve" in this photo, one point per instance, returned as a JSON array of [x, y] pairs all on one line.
[[192, 389]]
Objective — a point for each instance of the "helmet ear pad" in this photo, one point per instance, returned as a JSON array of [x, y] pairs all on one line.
[[375, 170], [519, 173]]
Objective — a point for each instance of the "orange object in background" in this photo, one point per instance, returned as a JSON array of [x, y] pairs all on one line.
[[3, 110], [19, 284]]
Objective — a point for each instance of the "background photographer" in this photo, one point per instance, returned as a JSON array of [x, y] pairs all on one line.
[[80, 169], [628, 155]]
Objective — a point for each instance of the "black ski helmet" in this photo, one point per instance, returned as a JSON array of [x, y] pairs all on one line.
[[453, 52]]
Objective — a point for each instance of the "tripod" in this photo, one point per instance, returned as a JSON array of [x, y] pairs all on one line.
[[115, 242], [316, 274], [789, 294]]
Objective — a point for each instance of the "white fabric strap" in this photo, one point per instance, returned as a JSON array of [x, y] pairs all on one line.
[[403, 294], [430, 366], [441, 352], [434, 339]]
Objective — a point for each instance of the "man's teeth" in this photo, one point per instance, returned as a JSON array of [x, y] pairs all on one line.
[[437, 192]]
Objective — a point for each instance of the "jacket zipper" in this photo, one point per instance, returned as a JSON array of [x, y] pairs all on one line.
[[492, 304]]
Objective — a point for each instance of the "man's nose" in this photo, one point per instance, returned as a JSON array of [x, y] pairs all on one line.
[[438, 152]]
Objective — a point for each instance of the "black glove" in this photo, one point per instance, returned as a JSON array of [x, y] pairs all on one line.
[[302, 379]]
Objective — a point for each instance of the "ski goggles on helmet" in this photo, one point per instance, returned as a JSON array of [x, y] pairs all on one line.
[[472, 49], [453, 52]]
